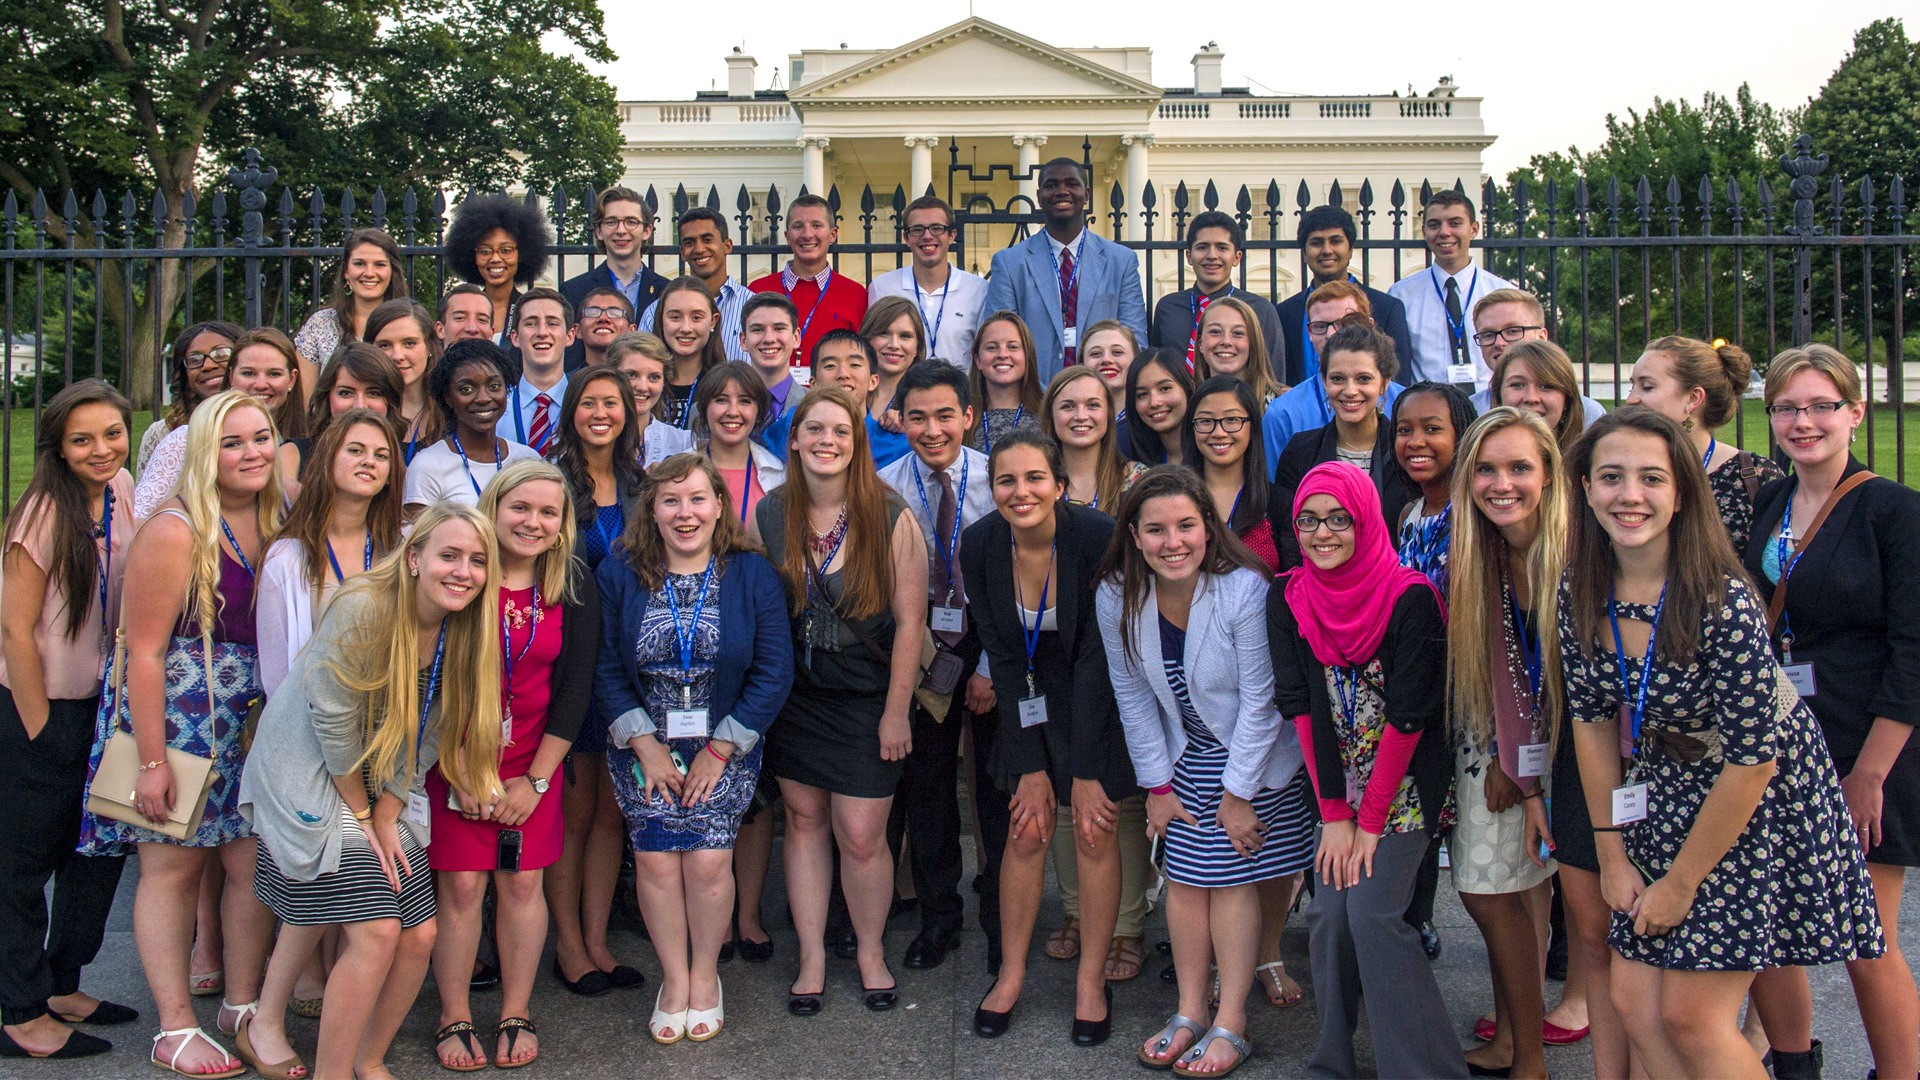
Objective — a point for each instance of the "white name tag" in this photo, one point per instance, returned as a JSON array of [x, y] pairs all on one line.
[[1533, 760], [1460, 374], [416, 810], [1033, 711], [1629, 804], [686, 723], [803, 375], [950, 620], [1070, 337], [1801, 676]]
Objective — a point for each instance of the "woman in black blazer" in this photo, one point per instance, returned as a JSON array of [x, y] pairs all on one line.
[[1359, 363], [1849, 637], [1030, 570]]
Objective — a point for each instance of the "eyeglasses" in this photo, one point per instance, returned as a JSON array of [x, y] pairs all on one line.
[[1817, 409], [1232, 425], [198, 360], [1307, 524], [1330, 327], [629, 224], [917, 232], [588, 314], [1508, 334], [505, 251]]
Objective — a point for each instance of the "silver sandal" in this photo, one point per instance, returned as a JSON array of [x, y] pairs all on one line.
[[1163, 1042], [1184, 1067]]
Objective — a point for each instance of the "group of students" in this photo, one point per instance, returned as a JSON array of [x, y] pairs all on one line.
[[461, 621]]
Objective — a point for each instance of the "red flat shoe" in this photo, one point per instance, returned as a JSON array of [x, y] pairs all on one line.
[[1555, 1035], [1484, 1030]]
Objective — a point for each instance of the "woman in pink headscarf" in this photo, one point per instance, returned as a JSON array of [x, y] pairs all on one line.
[[1359, 664]]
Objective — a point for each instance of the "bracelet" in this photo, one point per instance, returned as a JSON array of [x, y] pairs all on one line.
[[1538, 793], [724, 759], [1163, 789], [363, 815], [152, 765]]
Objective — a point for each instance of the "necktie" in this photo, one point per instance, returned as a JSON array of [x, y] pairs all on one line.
[[542, 422], [1069, 299], [942, 580], [1193, 339], [1456, 325]]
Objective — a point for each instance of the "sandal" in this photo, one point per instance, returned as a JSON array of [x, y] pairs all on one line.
[[276, 1070], [1269, 977], [673, 1024], [464, 1031], [1124, 958], [307, 1007], [1064, 943], [714, 1018], [511, 1028], [172, 1064], [1163, 1042], [1184, 1067], [240, 1015], [208, 984]]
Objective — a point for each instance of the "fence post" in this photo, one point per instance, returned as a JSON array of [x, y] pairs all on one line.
[[253, 182], [1803, 167]]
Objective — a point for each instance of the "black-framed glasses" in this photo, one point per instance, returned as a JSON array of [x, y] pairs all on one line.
[[1232, 425], [197, 360], [1817, 409], [1322, 328], [917, 232], [1339, 521], [1508, 334]]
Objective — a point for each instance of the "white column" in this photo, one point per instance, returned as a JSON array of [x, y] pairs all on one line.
[[813, 163], [1136, 182], [1029, 147], [922, 172]]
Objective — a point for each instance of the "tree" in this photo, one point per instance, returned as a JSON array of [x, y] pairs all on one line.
[[121, 95]]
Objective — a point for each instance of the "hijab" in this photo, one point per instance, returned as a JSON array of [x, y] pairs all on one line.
[[1343, 612]]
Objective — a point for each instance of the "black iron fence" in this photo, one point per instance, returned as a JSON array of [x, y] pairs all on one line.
[[95, 285]]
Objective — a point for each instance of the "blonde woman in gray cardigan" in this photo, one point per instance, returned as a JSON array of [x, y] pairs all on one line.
[[1182, 608], [406, 661]]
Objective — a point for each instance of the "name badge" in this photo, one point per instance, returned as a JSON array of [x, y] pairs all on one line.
[[950, 620], [1033, 711], [686, 723], [1801, 676], [416, 810], [1533, 759], [1629, 804], [803, 376], [1070, 337], [1460, 374]]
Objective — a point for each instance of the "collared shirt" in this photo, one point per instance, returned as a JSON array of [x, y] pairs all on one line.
[[1305, 408], [732, 296], [1424, 296], [631, 286], [952, 313], [782, 393], [974, 503], [516, 424]]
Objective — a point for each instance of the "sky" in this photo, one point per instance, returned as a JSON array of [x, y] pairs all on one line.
[[1549, 76]]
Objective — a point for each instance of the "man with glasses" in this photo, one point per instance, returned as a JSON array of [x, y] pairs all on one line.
[[1327, 235], [951, 301], [1506, 317], [1305, 407], [603, 315], [622, 229]]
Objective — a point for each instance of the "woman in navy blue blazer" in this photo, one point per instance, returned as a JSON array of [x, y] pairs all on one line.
[[696, 658]]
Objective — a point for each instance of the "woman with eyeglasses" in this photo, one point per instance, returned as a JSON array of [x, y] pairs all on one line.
[[196, 370], [262, 363]]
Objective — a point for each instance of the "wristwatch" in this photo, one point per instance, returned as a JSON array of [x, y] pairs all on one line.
[[540, 784]]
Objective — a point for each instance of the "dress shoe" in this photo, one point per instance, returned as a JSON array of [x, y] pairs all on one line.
[[844, 943], [1094, 1032], [592, 984], [485, 976], [625, 978], [754, 952], [1429, 940], [929, 948], [989, 1024]]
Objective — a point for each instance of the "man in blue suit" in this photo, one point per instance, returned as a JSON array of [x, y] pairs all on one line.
[[623, 227], [1326, 235], [1065, 279]]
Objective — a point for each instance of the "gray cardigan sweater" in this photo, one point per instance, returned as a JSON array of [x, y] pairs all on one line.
[[308, 734]]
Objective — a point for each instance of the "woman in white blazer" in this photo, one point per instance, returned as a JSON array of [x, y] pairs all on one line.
[[1182, 608]]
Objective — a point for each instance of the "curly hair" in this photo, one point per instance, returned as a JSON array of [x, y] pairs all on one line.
[[482, 214], [458, 355]]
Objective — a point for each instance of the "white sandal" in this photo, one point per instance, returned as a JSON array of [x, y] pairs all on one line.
[[715, 1018], [240, 1014], [192, 1033], [674, 1024]]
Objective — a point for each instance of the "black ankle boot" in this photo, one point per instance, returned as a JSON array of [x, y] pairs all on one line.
[[1804, 1065]]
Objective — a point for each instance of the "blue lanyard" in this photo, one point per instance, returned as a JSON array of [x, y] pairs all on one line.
[[685, 637], [986, 429], [600, 526], [1788, 559], [746, 489], [1637, 703], [412, 449], [1457, 331], [949, 548], [1235, 512], [1530, 648], [241, 555], [106, 561], [1706, 459], [1426, 549], [826, 280], [499, 452], [433, 688], [506, 643], [684, 417], [817, 581], [1032, 634], [1073, 278], [520, 422], [933, 335], [1346, 685], [337, 575]]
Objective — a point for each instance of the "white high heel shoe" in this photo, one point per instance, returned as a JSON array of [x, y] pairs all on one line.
[[665, 1027], [714, 1018]]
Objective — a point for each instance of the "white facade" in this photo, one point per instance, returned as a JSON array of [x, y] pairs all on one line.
[[855, 118]]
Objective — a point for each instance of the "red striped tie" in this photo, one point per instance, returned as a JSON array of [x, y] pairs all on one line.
[[542, 423]]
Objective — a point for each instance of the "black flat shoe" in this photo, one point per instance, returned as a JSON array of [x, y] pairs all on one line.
[[79, 1044], [844, 942], [485, 977], [989, 1024], [1168, 974], [103, 1014], [804, 1004], [726, 951], [929, 948], [1094, 1032], [754, 952], [594, 983], [882, 998], [1489, 1070], [1429, 940], [625, 978]]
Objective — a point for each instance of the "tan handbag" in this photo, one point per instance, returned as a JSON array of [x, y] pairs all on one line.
[[120, 769]]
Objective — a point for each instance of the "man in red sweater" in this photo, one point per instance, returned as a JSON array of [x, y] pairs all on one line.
[[825, 300]]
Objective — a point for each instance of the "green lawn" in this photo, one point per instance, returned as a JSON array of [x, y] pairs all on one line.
[[20, 449]]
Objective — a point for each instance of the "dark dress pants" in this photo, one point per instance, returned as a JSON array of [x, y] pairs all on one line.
[[930, 789]]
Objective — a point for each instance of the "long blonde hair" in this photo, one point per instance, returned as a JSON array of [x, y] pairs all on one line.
[[380, 658], [1477, 565], [198, 490], [1259, 370], [552, 570]]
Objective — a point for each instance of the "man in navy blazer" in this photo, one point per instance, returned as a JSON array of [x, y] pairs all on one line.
[[623, 227], [1326, 235], [1028, 278]]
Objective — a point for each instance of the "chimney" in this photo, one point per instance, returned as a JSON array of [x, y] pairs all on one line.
[[739, 74], [1206, 69]]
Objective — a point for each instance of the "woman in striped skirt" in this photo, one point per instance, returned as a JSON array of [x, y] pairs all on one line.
[[1182, 609]]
